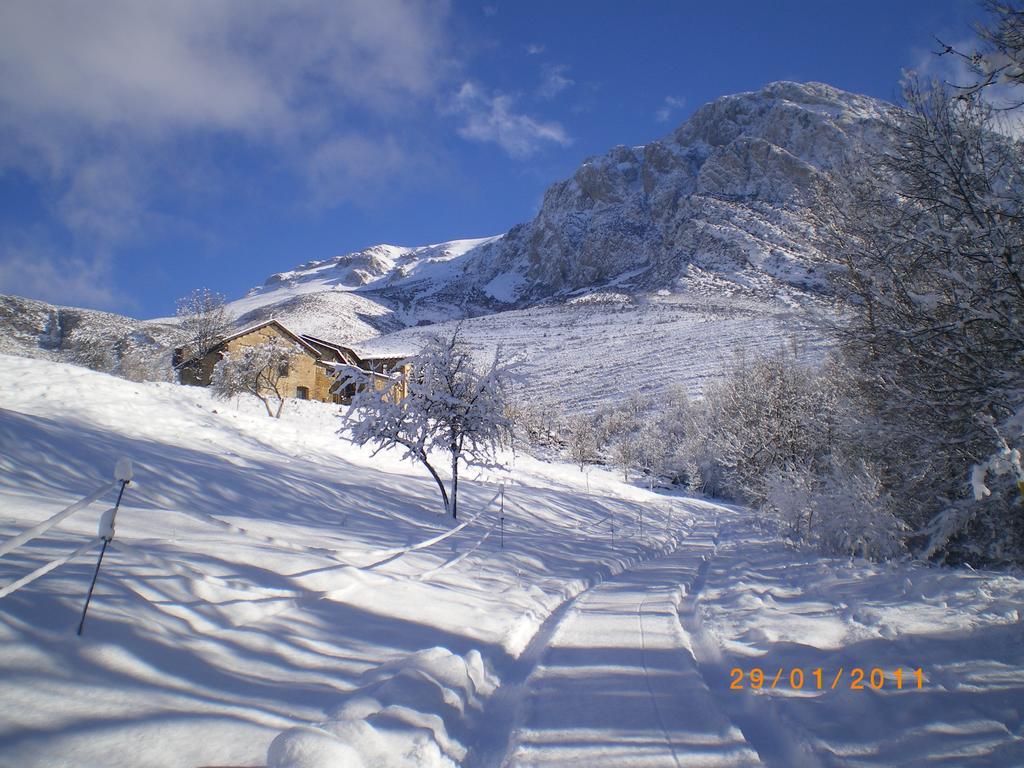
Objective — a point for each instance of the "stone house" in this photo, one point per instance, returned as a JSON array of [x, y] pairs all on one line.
[[310, 372]]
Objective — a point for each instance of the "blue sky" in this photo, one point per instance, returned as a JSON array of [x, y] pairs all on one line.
[[149, 148]]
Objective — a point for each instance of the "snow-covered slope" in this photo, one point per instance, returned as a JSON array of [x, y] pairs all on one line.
[[601, 347], [39, 329], [263, 603]]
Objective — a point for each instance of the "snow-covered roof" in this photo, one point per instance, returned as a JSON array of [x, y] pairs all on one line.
[[339, 348], [250, 329]]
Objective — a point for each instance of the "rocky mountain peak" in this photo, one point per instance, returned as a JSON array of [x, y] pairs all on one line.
[[722, 193]]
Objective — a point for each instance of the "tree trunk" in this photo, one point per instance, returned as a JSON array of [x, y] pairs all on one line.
[[455, 482], [439, 481], [266, 404]]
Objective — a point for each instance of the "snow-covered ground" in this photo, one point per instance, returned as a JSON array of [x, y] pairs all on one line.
[[603, 346], [266, 602]]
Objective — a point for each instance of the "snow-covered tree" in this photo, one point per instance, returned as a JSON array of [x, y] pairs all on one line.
[[625, 452], [256, 370], [203, 320], [451, 408], [930, 246], [842, 508], [767, 415]]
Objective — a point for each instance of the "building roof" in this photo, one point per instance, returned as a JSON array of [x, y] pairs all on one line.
[[344, 352], [296, 337], [291, 334]]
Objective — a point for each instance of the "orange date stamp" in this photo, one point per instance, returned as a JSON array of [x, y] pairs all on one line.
[[819, 679]]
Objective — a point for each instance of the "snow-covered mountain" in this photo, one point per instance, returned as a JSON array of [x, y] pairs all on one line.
[[342, 298], [726, 196], [721, 203]]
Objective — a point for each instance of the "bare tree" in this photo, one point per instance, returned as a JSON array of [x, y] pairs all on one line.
[[451, 407], [203, 319], [581, 436], [256, 370]]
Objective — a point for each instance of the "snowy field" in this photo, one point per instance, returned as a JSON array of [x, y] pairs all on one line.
[[267, 602], [607, 345]]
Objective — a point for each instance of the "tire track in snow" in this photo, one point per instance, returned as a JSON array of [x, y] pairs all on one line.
[[774, 739], [503, 712], [650, 687], [612, 686]]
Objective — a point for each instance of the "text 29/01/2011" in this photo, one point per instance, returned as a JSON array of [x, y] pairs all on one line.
[[855, 679]]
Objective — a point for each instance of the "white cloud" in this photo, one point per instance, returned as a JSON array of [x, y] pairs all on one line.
[[534, 49], [349, 166], [490, 118], [34, 272], [93, 93], [668, 107], [111, 107], [554, 81], [211, 64]]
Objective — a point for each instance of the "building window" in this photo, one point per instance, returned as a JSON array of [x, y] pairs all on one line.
[[302, 393], [282, 368]]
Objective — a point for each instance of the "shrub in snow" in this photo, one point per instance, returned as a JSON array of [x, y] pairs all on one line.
[[766, 416], [639, 435], [256, 370], [451, 408], [534, 424], [845, 512]]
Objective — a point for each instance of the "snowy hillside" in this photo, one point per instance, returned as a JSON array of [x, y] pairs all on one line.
[[39, 329], [601, 347], [273, 597]]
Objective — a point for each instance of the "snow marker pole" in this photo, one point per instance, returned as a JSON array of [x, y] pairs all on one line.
[[92, 586], [123, 473], [502, 513]]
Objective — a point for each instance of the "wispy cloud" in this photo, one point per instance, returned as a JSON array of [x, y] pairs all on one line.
[[535, 49], [554, 81], [348, 166], [669, 107], [33, 271], [492, 118]]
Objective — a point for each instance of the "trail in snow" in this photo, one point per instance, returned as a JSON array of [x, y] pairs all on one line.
[[618, 683]]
